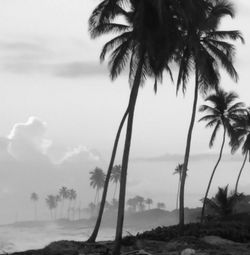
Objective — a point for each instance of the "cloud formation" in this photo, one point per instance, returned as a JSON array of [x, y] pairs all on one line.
[[37, 58], [27, 140]]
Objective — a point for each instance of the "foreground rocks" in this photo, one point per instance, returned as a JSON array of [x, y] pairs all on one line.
[[181, 246]]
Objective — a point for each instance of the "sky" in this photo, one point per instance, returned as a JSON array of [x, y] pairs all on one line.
[[59, 110]]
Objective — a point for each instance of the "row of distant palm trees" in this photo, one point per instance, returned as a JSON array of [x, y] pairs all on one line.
[[151, 36], [53, 202]]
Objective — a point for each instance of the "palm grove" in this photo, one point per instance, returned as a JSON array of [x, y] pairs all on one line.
[[153, 36]]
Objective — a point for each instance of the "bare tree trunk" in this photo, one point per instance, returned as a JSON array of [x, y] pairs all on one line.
[[178, 192], [123, 180], [115, 190], [242, 167], [94, 234], [212, 175], [187, 152]]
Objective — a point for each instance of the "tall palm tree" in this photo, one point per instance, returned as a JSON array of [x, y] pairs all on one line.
[[34, 198], [204, 48], [136, 44], [178, 170], [223, 204], [63, 193], [242, 139], [116, 176], [97, 179], [222, 112]]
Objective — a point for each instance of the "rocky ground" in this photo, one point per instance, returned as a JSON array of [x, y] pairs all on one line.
[[208, 245]]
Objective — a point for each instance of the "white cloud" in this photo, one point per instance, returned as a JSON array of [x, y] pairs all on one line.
[[79, 154], [27, 140]]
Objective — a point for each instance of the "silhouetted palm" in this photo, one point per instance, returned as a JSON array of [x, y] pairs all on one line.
[[161, 205], [97, 179], [224, 204], [149, 202], [72, 197], [242, 139], [116, 176], [223, 113], [138, 43], [178, 170], [34, 198], [63, 193], [204, 48], [51, 203]]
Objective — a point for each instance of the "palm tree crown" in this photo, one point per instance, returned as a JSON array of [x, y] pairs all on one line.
[[97, 178], [223, 112]]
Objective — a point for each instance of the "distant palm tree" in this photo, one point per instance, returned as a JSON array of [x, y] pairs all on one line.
[[97, 179], [140, 202], [63, 192], [34, 198], [52, 204], [149, 202], [204, 48], [132, 203], [72, 197], [242, 139], [223, 112], [116, 176], [178, 170], [224, 204], [161, 205]]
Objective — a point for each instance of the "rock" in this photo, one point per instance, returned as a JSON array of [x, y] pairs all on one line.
[[216, 240], [188, 251]]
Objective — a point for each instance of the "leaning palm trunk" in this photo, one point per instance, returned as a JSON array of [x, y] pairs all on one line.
[[187, 152], [211, 178], [178, 193], [94, 234], [242, 167], [123, 180]]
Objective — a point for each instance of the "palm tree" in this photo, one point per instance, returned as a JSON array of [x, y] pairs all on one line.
[[161, 205], [72, 197], [224, 204], [223, 112], [178, 170], [34, 198], [140, 202], [139, 42], [204, 48], [149, 202], [97, 179], [116, 176], [63, 192], [242, 138], [51, 203]]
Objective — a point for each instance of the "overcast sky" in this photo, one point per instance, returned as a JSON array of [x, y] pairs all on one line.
[[57, 103]]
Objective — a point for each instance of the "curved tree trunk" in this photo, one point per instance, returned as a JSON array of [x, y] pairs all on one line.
[[242, 167], [178, 193], [211, 178], [123, 180], [94, 234], [187, 152]]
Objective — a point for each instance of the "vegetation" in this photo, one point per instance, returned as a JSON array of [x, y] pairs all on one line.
[[224, 112], [223, 204]]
